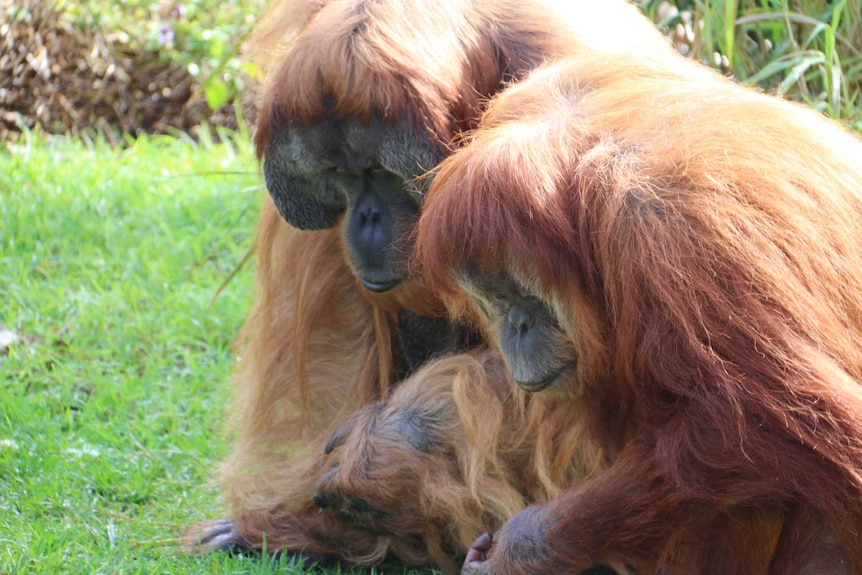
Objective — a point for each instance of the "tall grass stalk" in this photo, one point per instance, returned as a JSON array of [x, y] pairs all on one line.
[[809, 50]]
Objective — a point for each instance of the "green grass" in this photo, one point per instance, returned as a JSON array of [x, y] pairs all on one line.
[[110, 412], [809, 50]]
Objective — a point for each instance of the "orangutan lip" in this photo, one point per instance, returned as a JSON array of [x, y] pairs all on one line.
[[547, 381], [378, 287]]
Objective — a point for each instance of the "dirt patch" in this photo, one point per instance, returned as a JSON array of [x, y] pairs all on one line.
[[67, 79]]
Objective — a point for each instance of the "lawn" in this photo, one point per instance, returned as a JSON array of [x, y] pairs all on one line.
[[111, 401]]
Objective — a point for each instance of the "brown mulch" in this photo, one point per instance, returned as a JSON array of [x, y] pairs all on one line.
[[55, 75]]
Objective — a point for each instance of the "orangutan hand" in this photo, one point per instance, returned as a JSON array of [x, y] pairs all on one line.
[[477, 562]]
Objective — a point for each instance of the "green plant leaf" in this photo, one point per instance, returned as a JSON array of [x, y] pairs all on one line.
[[216, 92]]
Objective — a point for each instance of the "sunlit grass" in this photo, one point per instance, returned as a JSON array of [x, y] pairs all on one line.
[[110, 407], [809, 50]]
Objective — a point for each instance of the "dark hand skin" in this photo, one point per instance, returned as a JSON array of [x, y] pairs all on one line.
[[477, 562], [520, 546]]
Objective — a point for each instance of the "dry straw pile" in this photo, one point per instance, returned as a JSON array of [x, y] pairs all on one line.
[[69, 77]]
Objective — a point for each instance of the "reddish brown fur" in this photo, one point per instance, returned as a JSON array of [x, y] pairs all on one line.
[[435, 62], [317, 346], [472, 470], [701, 245]]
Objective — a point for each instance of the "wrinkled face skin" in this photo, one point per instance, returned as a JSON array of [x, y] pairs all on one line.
[[360, 176], [538, 352]]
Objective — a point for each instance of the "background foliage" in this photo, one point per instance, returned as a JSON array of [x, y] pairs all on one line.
[[809, 50], [135, 66]]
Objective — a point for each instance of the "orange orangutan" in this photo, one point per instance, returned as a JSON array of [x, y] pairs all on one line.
[[362, 99], [681, 257]]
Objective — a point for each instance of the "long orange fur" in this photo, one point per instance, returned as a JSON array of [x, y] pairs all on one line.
[[701, 246], [317, 347]]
